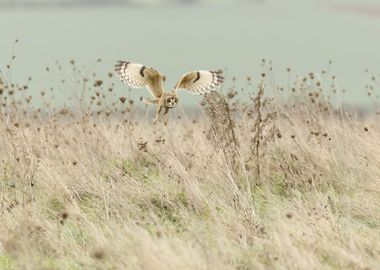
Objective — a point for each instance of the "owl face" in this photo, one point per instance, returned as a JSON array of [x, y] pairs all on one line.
[[171, 101]]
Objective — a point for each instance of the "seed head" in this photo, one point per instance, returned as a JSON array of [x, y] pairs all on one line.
[[98, 83]]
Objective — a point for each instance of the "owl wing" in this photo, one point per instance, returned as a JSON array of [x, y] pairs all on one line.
[[138, 76], [200, 82]]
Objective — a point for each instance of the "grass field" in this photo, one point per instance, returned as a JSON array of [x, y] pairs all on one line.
[[247, 184]]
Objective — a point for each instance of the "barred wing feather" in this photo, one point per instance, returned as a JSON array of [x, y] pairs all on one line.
[[200, 82], [138, 76]]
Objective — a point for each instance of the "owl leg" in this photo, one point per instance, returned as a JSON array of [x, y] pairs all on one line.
[[166, 116], [150, 101], [159, 108]]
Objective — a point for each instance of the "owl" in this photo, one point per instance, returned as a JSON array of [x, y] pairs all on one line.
[[195, 82]]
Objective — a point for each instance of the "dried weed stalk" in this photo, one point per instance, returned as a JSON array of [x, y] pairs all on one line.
[[264, 129], [222, 126]]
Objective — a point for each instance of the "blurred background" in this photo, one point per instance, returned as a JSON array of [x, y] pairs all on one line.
[[176, 36]]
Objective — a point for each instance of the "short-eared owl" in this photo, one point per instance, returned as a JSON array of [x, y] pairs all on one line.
[[195, 82]]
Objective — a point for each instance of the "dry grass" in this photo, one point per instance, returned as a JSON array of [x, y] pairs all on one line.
[[101, 188]]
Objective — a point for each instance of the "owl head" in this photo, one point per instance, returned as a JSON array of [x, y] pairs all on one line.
[[171, 100]]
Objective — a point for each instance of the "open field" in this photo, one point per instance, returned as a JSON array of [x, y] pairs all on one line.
[[259, 184]]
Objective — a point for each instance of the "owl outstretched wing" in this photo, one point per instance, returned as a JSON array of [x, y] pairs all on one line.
[[200, 82], [138, 76]]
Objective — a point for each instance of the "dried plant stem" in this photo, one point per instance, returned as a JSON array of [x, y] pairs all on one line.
[[222, 127], [258, 127]]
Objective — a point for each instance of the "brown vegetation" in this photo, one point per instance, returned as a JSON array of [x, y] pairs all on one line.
[[256, 184]]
